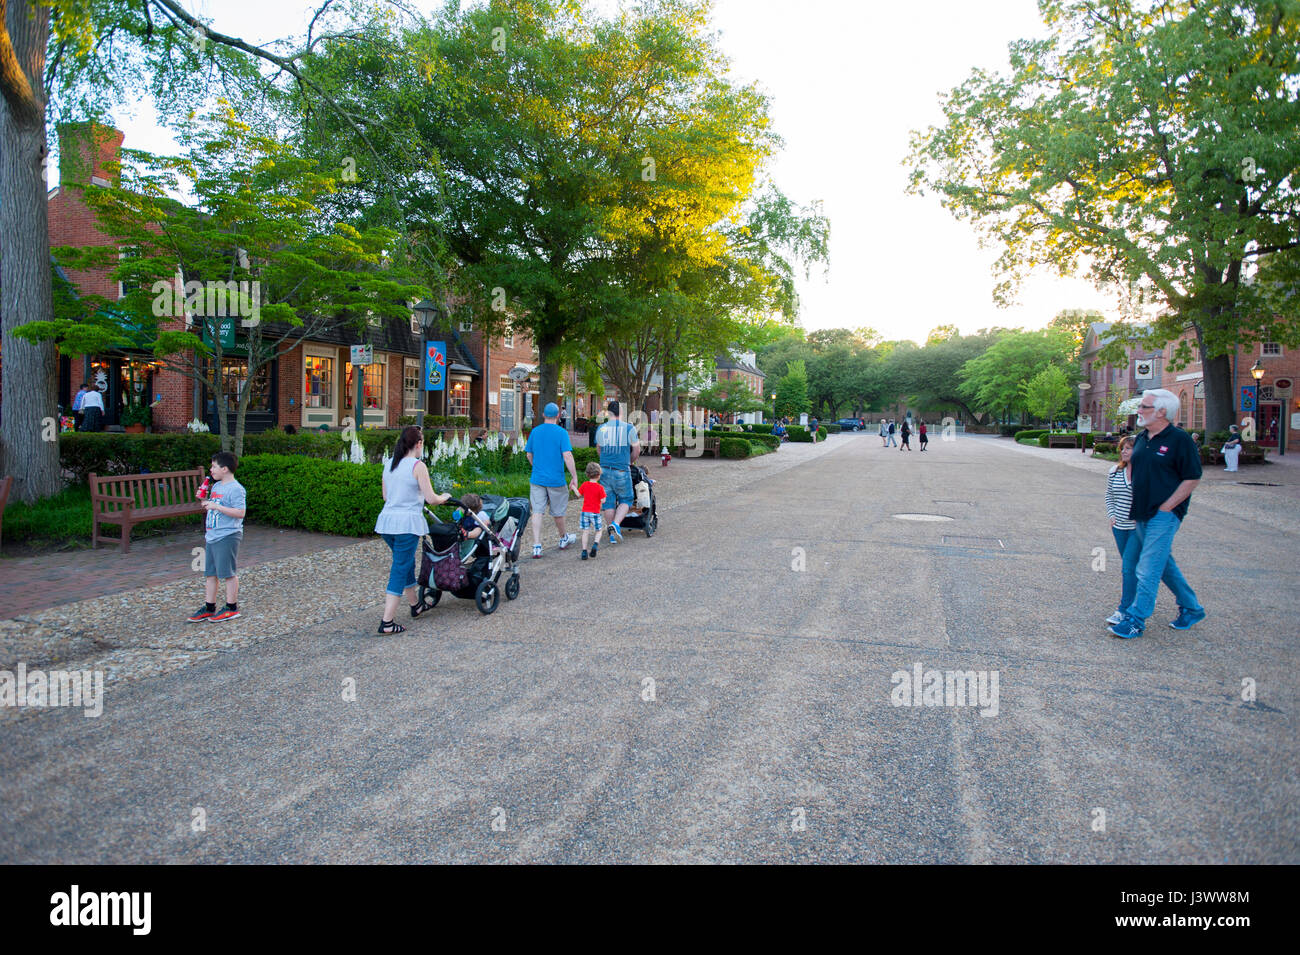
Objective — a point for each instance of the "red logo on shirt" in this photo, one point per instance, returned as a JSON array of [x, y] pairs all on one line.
[[1163, 448]]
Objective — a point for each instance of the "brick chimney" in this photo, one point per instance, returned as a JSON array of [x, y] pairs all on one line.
[[85, 151]]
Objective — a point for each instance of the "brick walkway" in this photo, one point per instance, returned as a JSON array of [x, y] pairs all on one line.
[[28, 584]]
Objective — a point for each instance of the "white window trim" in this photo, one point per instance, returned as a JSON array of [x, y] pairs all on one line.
[[508, 341], [1272, 354], [318, 351], [412, 363], [467, 326]]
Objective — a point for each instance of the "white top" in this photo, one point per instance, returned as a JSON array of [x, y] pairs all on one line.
[[92, 399], [403, 511]]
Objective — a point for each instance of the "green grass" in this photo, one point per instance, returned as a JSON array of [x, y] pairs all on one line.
[[62, 522]]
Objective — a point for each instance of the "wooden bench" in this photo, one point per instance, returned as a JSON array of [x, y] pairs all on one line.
[[712, 445], [1062, 440], [131, 499]]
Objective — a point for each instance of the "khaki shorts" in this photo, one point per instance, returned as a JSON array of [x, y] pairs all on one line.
[[557, 498]]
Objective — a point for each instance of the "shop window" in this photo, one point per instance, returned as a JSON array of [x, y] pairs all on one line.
[[458, 398], [318, 389], [372, 387], [234, 372], [411, 386]]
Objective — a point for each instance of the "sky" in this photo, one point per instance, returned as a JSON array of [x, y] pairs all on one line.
[[848, 80]]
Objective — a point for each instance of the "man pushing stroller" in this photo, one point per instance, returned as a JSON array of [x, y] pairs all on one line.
[[619, 446]]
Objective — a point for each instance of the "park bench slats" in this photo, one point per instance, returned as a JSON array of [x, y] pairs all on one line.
[[127, 500]]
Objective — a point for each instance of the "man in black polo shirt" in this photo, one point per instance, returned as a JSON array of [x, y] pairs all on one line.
[[1166, 467]]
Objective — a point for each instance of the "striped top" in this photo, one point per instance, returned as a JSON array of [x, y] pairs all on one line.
[[1119, 499]]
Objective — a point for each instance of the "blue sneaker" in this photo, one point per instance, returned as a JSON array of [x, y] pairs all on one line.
[[1128, 629], [1187, 618], [615, 534]]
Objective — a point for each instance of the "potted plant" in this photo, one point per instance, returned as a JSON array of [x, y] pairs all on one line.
[[135, 417]]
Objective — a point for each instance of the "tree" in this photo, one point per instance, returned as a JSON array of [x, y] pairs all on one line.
[[931, 376], [792, 391], [252, 246], [1048, 392], [1154, 146], [1115, 396], [73, 59], [993, 380], [728, 397]]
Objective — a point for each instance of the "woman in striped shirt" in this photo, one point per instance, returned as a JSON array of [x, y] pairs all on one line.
[[1119, 498]]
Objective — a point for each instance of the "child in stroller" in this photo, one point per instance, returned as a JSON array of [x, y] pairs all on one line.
[[469, 558]]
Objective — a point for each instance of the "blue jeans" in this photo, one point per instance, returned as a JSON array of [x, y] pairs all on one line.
[[1151, 544], [1128, 585], [402, 574]]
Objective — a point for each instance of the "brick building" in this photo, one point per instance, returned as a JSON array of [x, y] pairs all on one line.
[[1277, 419]]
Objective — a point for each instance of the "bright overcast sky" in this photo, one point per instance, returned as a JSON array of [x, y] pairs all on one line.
[[848, 80]]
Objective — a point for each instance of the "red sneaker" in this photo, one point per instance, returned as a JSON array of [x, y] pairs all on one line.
[[225, 613], [203, 613]]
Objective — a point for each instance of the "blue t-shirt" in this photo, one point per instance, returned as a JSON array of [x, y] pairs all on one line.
[[228, 494], [615, 438], [547, 442]]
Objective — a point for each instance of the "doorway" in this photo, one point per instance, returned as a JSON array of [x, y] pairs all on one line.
[[1270, 417]]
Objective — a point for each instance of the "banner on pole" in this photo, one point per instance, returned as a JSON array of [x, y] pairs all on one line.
[[435, 366]]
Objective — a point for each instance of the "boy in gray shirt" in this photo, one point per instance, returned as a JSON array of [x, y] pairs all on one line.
[[226, 504]]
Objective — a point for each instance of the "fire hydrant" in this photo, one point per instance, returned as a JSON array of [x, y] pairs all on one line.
[[665, 455]]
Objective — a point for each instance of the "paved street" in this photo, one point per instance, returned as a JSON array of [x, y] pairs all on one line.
[[772, 736]]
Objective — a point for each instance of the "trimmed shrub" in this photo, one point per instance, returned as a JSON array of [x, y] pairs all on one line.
[[769, 441], [1030, 433], [759, 428], [799, 433], [582, 457], [1087, 437], [821, 432], [331, 497], [110, 453], [1104, 447], [1006, 430], [832, 429], [756, 448], [733, 448]]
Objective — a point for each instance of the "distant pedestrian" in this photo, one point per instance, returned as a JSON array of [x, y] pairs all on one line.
[[1119, 502], [1166, 468], [592, 493], [226, 504], [1231, 449], [925, 439], [92, 408], [550, 453], [893, 442], [907, 434], [406, 488], [884, 432], [813, 429], [76, 404]]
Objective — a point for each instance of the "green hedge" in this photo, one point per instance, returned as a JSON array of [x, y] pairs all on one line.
[[832, 429], [108, 454], [1030, 433], [1104, 447], [1087, 437], [759, 428], [733, 448], [799, 433], [756, 448]]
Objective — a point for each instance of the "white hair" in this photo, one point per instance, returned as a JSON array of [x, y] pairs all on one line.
[[1163, 398]]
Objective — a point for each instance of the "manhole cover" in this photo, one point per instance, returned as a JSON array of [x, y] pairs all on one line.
[[989, 543], [922, 517]]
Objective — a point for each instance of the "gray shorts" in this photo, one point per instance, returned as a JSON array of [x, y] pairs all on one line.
[[540, 497], [219, 557]]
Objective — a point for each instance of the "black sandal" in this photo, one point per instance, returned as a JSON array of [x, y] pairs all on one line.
[[420, 609], [390, 626]]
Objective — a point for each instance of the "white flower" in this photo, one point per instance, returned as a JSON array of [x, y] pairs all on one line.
[[198, 427]]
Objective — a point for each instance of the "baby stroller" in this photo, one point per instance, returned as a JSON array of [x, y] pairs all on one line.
[[643, 513], [472, 569]]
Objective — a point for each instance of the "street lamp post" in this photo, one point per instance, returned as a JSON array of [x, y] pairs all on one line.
[[1257, 372], [429, 315], [1083, 391]]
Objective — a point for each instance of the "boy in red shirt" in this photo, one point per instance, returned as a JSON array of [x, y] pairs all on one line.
[[592, 493]]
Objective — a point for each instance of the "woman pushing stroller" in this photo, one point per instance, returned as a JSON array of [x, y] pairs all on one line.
[[406, 489]]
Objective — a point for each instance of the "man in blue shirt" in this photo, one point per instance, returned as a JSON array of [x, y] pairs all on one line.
[[619, 447], [550, 452]]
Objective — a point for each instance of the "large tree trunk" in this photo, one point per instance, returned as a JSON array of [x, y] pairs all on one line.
[[548, 370], [30, 391], [1219, 388]]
